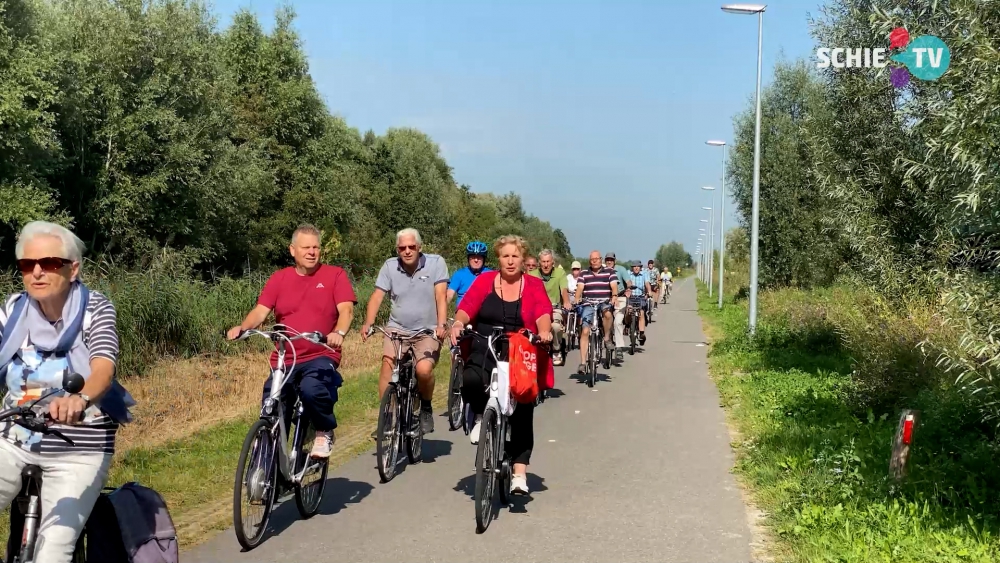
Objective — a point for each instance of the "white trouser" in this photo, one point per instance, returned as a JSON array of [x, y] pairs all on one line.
[[71, 484], [620, 321], [557, 329]]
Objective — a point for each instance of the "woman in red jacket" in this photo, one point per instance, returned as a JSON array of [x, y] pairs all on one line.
[[510, 299]]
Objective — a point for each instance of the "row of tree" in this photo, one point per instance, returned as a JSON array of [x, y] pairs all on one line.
[[144, 127], [899, 185]]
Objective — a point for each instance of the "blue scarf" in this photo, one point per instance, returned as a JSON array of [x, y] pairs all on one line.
[[27, 319]]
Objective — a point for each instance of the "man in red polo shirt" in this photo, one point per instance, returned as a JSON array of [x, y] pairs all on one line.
[[308, 297]]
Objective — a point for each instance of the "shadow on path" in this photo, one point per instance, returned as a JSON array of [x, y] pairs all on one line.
[[339, 493]]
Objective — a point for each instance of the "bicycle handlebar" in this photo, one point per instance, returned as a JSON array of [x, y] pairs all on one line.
[[499, 333], [315, 337], [26, 417], [401, 337]]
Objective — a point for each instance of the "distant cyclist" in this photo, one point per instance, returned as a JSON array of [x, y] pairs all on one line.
[[653, 276], [598, 286], [557, 288], [620, 301], [571, 280], [638, 283], [462, 279], [530, 263], [666, 280]]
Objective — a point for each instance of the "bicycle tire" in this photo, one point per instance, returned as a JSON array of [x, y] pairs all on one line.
[[503, 482], [486, 477], [415, 443], [592, 362], [260, 428], [633, 334], [387, 434], [608, 354], [456, 406], [308, 498]]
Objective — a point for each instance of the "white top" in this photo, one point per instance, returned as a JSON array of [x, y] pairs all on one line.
[[571, 287]]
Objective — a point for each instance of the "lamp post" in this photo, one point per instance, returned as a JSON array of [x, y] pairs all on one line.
[[722, 218], [704, 258], [704, 232], [711, 241], [750, 9]]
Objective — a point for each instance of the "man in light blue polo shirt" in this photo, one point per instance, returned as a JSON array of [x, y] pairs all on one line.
[[416, 284]]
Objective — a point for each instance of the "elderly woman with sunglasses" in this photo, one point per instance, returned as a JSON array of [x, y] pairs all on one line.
[[54, 328]]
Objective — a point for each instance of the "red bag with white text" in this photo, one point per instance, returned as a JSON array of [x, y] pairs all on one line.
[[523, 368]]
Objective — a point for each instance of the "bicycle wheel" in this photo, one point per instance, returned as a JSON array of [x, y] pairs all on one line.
[[633, 334], [309, 491], [486, 465], [254, 486], [456, 406], [387, 433], [592, 361], [414, 438]]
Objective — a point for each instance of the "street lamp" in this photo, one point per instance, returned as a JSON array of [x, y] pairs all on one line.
[[703, 238], [750, 9], [711, 229], [711, 247], [722, 218]]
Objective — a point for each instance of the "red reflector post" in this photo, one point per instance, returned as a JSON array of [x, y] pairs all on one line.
[[908, 429]]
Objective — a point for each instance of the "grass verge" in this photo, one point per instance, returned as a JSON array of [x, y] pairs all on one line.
[[815, 458]]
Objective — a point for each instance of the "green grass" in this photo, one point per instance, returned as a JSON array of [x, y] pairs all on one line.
[[195, 474], [815, 458]]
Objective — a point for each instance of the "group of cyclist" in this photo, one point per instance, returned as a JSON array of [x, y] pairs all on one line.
[[61, 326]]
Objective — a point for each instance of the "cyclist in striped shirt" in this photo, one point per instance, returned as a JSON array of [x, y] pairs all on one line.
[[596, 287]]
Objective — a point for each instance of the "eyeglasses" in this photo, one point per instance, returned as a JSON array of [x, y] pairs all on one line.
[[51, 264], [411, 247]]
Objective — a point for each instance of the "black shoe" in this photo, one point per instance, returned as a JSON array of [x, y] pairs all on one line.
[[427, 421], [642, 338], [582, 369]]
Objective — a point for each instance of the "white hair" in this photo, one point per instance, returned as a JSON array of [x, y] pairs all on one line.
[[72, 246], [307, 229], [546, 252], [409, 232]]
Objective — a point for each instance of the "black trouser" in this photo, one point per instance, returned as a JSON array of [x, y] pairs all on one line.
[[317, 381], [475, 380]]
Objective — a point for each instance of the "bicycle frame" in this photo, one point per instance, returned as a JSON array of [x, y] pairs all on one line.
[[273, 410]]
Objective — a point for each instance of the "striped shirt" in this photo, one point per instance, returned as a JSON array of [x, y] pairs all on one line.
[[96, 433], [597, 286]]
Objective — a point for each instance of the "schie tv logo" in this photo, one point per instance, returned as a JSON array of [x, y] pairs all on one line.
[[926, 57]]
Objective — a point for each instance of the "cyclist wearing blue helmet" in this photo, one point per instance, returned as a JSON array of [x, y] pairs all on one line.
[[462, 279]]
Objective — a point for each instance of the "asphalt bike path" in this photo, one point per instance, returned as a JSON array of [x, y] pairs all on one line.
[[636, 469]]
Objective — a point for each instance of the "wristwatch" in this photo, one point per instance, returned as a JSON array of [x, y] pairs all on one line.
[[341, 333], [85, 398]]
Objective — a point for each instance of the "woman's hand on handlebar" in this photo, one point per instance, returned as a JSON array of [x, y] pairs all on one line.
[[545, 336], [456, 333], [68, 409], [234, 333]]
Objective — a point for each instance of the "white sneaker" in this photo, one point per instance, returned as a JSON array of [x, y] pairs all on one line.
[[476, 428], [519, 485], [322, 445]]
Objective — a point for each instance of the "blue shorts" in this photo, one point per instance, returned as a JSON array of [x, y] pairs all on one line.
[[586, 311]]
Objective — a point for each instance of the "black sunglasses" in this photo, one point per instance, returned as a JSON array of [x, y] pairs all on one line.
[[50, 264]]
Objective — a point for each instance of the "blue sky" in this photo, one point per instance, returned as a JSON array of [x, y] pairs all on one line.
[[595, 112]]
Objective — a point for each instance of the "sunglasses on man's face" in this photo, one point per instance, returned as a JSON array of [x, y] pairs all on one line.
[[411, 247], [51, 264]]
